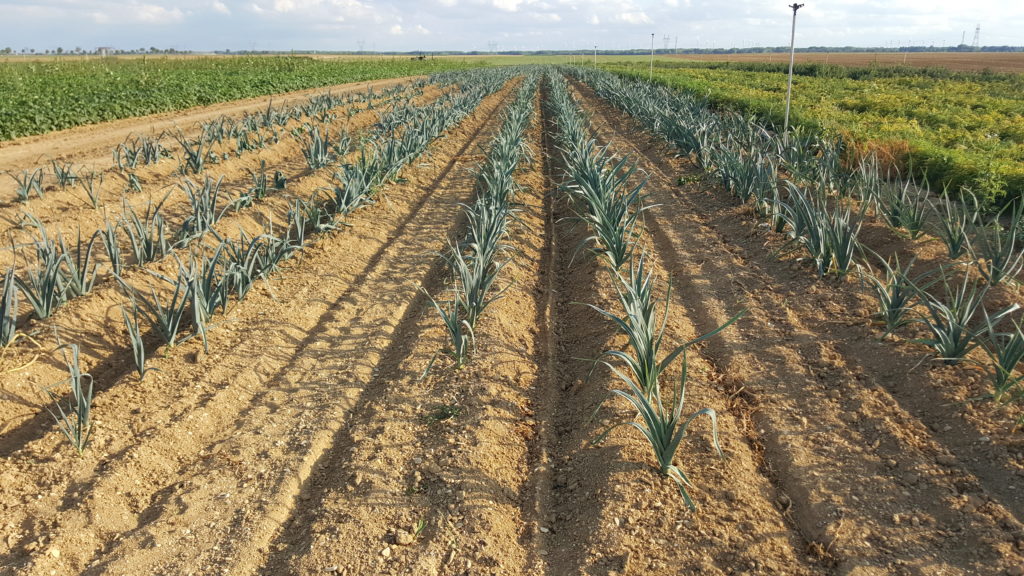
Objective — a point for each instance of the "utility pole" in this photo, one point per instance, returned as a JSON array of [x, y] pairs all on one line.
[[595, 55], [651, 78], [792, 57]]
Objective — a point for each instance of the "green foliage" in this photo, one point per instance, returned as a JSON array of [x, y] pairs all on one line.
[[953, 130], [37, 97]]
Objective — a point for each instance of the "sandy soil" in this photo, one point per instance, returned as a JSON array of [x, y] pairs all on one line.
[[309, 441]]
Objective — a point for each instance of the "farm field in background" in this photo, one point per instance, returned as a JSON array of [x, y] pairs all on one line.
[[957, 129], [960, 61], [42, 95], [394, 327]]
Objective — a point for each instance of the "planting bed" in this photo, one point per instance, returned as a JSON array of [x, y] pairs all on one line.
[[323, 429]]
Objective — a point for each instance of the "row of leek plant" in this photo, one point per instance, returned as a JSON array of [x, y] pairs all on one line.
[[206, 281], [475, 260], [59, 274], [251, 131], [749, 160], [610, 206]]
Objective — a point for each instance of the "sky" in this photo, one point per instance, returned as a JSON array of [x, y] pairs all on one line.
[[485, 25]]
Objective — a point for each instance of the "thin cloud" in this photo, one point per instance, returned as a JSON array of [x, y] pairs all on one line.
[[350, 25]]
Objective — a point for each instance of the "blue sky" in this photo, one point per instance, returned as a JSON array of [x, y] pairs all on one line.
[[503, 24]]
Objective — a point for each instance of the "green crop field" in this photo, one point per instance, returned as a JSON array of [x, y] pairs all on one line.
[[955, 129], [45, 95]]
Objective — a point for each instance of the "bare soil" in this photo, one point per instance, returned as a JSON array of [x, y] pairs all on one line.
[[310, 440]]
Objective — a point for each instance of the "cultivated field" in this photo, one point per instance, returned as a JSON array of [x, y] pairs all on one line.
[[950, 130], [962, 61], [356, 332]]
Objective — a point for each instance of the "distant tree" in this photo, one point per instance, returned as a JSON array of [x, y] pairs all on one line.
[[60, 50]]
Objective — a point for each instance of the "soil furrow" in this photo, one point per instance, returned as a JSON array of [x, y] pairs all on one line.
[[161, 185], [248, 414], [90, 319], [735, 502], [377, 510], [908, 521]]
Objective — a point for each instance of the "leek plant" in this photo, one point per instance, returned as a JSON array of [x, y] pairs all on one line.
[[951, 318], [45, 286], [953, 223], [194, 154], [112, 246], [75, 422], [205, 210], [209, 289], [1005, 350], [895, 292], [64, 173], [828, 235], [8, 309], [664, 428], [89, 183], [27, 183], [997, 250], [147, 233], [316, 147], [81, 268], [166, 318], [131, 324], [459, 331], [902, 205]]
